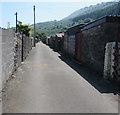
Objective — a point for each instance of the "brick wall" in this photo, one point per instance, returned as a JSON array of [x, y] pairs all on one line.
[[93, 44], [65, 43], [71, 45]]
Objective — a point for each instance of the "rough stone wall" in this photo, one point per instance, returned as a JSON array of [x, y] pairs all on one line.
[[11, 52], [116, 61], [109, 60], [32, 41], [93, 44], [27, 46], [22, 47], [7, 65], [17, 50]]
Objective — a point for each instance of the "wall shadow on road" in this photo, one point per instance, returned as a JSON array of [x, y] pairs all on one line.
[[96, 80]]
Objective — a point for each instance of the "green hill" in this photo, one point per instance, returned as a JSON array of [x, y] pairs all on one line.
[[83, 15]]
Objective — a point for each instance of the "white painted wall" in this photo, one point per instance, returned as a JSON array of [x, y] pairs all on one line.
[[7, 57], [109, 60]]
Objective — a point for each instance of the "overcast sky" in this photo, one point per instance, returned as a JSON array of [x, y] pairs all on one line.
[[45, 11]]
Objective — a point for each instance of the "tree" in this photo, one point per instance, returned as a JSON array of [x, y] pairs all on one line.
[[80, 21], [87, 20], [40, 36], [23, 28]]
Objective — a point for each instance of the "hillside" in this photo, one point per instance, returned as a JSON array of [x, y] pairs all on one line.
[[110, 8], [91, 9], [83, 15]]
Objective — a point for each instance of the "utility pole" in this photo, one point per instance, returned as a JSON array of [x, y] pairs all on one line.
[[16, 21], [34, 26], [8, 25]]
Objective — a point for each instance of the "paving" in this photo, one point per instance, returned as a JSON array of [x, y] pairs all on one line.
[[48, 83]]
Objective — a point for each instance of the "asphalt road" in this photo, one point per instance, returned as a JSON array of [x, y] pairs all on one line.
[[45, 83]]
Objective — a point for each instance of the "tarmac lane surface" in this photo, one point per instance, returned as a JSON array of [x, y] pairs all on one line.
[[46, 84]]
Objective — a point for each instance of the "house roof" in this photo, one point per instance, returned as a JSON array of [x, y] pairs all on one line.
[[109, 19], [72, 30], [60, 35]]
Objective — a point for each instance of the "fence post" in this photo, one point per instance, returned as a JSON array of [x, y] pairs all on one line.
[[22, 50]]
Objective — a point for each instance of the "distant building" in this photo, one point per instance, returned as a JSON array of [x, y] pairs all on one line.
[[58, 41], [86, 43]]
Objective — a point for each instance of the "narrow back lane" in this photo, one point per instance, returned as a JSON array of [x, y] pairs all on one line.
[[44, 83]]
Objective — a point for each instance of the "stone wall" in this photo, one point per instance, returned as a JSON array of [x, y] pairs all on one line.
[[13, 48], [22, 47], [93, 44], [7, 41], [27, 46], [17, 50], [111, 62]]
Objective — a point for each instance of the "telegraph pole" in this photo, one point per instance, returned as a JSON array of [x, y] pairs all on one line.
[[16, 21], [34, 26], [8, 25]]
